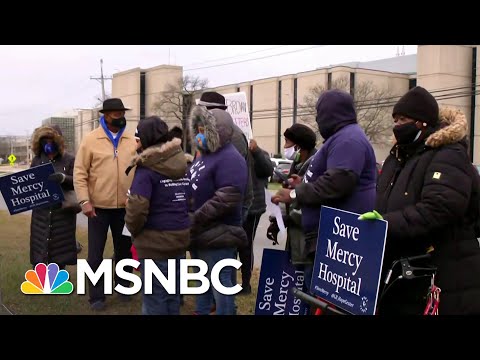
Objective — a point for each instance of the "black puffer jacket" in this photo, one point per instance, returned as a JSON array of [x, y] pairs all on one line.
[[52, 229], [425, 194]]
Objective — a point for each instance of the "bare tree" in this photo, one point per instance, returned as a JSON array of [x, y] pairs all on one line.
[[176, 102], [372, 103]]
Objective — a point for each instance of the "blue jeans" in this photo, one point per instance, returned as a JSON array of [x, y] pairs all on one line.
[[225, 304], [160, 302]]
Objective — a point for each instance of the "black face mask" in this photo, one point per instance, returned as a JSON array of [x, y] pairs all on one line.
[[406, 134], [119, 123]]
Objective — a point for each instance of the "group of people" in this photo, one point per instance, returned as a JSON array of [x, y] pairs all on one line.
[[210, 206], [168, 202], [427, 191]]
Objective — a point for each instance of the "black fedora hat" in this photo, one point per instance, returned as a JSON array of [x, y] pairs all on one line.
[[113, 104], [212, 100]]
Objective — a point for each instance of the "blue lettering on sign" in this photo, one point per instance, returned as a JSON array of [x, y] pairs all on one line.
[[348, 261]]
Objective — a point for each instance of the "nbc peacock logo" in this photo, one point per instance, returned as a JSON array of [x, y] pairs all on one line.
[[47, 280]]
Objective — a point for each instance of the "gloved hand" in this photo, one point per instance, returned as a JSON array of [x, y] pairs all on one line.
[[371, 215], [57, 177], [272, 231]]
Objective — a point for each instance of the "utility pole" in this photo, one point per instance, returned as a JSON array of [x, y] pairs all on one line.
[[101, 79]]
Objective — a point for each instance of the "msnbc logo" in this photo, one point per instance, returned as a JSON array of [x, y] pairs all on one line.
[[47, 280]]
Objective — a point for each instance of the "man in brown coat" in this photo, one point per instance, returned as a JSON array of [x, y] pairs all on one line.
[[101, 186]]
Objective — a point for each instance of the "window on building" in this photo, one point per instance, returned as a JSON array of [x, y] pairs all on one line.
[[352, 83], [412, 83], [329, 81]]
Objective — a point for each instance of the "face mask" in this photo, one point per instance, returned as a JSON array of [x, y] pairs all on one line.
[[407, 133], [201, 142], [289, 152], [119, 123], [50, 148]]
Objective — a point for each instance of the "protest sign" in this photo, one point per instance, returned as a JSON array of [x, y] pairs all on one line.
[[29, 189], [277, 277], [348, 260]]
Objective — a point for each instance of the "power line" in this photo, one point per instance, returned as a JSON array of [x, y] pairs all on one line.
[[235, 56], [258, 58]]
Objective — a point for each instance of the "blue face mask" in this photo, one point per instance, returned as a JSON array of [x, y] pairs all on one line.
[[201, 142], [50, 148]]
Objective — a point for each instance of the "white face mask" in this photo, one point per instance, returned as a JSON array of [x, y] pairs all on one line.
[[289, 152]]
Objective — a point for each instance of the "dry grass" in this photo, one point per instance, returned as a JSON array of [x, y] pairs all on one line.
[[14, 261]]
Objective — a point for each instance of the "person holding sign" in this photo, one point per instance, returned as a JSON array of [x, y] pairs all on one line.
[[101, 186], [429, 194], [342, 173], [52, 229]]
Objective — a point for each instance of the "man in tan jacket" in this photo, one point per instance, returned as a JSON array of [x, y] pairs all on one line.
[[101, 186]]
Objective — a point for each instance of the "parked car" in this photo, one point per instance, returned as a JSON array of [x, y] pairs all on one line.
[[276, 161], [285, 163], [284, 168]]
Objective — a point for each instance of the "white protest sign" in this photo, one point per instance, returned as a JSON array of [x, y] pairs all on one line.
[[237, 107]]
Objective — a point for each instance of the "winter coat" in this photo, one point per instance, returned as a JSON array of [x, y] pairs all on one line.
[[426, 193], [218, 181], [261, 171], [342, 174], [99, 173], [240, 142], [157, 209], [52, 229]]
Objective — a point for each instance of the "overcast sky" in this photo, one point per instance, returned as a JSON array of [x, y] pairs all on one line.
[[42, 81]]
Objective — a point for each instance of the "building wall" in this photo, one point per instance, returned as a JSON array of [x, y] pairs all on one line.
[[126, 86], [85, 121], [446, 71], [67, 126], [437, 67], [265, 113], [158, 80]]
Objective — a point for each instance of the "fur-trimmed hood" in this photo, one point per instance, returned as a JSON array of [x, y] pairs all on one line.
[[167, 159], [217, 124], [453, 128], [49, 132]]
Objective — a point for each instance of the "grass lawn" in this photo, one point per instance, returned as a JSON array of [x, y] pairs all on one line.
[[14, 262]]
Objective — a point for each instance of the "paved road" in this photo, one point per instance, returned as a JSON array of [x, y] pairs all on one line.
[[260, 242]]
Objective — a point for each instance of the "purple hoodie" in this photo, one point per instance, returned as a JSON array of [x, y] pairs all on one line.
[[346, 147]]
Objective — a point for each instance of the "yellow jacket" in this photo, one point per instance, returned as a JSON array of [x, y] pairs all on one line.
[[98, 175]]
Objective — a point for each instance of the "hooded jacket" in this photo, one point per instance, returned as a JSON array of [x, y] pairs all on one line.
[[342, 174], [157, 208], [428, 193], [52, 229], [218, 181]]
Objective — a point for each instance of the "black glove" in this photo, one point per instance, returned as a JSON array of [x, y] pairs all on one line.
[[272, 231], [57, 177]]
